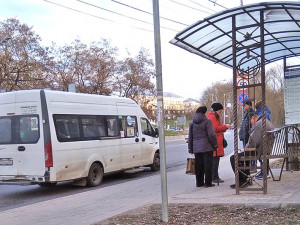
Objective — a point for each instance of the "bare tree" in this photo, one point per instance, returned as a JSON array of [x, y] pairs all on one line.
[[90, 68], [222, 92], [134, 77], [103, 67], [274, 78], [275, 94], [217, 92], [24, 63]]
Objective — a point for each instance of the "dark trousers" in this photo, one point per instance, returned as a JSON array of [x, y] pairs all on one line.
[[242, 173], [216, 161], [203, 168], [261, 164]]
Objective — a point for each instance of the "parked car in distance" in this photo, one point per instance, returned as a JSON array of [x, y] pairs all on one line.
[[186, 138], [175, 128]]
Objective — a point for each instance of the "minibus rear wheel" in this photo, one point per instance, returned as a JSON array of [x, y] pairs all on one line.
[[95, 175], [155, 166]]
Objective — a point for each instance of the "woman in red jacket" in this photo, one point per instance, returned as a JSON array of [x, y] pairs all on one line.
[[214, 116]]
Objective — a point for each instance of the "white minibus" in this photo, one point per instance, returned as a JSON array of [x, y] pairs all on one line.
[[52, 136]]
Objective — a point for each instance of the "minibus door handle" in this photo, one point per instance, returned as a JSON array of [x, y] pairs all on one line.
[[143, 139], [21, 148]]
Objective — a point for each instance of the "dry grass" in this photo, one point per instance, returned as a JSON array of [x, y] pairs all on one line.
[[194, 214]]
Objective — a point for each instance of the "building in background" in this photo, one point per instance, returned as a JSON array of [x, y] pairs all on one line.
[[191, 103], [174, 106]]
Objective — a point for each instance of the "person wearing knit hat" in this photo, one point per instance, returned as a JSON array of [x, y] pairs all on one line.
[[214, 116], [202, 109], [217, 106], [202, 142], [248, 102]]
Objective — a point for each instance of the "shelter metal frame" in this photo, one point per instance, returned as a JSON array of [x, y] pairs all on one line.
[[246, 38]]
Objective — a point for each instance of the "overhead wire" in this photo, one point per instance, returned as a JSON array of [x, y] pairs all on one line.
[[88, 14], [130, 17], [215, 2], [202, 6], [189, 7], [66, 7], [111, 11], [120, 14], [129, 6]]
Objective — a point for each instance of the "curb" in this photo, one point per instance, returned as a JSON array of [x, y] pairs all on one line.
[[175, 138]]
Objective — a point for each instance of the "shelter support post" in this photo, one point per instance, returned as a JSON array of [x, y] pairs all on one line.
[[257, 73], [234, 91]]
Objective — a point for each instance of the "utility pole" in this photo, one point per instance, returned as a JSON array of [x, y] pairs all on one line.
[[160, 111]]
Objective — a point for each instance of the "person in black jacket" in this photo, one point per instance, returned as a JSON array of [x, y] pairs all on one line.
[[202, 142], [245, 126]]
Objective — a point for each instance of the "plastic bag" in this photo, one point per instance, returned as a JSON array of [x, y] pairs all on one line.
[[190, 165]]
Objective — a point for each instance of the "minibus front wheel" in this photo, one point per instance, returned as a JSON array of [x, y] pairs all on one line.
[[155, 166], [95, 175]]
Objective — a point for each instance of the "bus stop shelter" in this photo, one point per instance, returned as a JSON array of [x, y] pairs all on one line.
[[246, 38]]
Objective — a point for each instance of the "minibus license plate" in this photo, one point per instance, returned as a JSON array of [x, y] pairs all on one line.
[[6, 162]]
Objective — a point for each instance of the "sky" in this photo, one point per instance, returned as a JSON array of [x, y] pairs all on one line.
[[128, 24]]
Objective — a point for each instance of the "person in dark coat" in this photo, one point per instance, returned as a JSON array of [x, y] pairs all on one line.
[[202, 142], [245, 126]]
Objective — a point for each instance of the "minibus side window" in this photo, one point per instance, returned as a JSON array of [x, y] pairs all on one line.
[[61, 129], [146, 127], [73, 128], [129, 126], [93, 127], [112, 126], [67, 127], [5, 130], [85, 127], [29, 129]]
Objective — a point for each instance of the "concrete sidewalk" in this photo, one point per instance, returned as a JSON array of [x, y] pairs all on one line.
[[280, 193], [99, 204]]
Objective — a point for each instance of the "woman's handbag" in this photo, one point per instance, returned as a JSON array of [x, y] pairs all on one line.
[[190, 165]]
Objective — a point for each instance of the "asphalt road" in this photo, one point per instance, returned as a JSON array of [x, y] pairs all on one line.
[[14, 196]]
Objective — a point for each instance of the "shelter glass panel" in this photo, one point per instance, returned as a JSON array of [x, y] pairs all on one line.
[[245, 19], [188, 32]]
